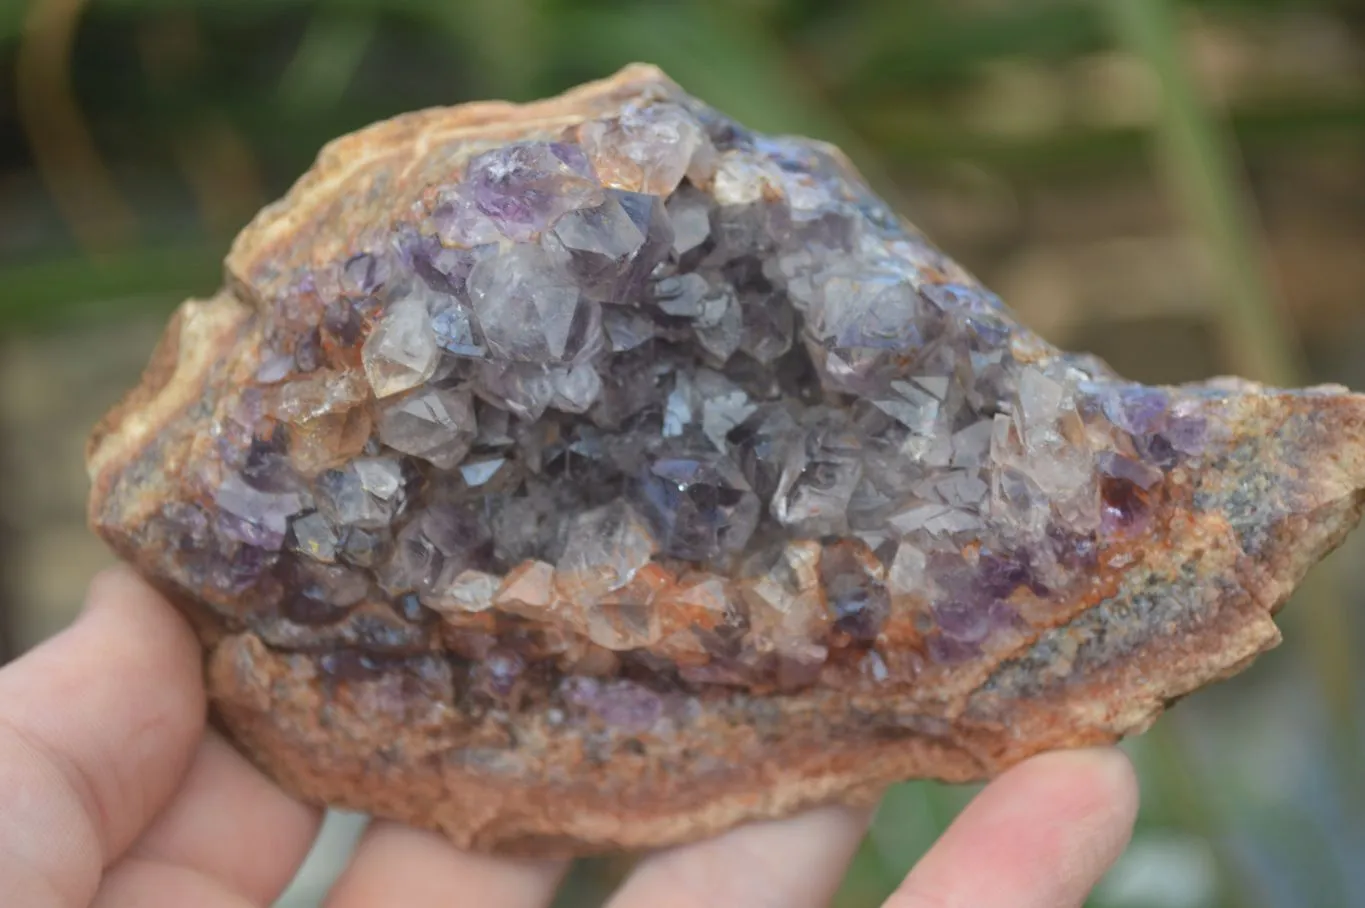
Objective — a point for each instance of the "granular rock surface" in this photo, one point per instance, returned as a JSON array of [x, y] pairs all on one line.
[[598, 473]]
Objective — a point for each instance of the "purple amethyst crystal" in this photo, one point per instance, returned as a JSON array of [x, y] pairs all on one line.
[[497, 673], [1000, 574], [1137, 409], [1187, 432], [255, 517], [625, 705], [525, 186]]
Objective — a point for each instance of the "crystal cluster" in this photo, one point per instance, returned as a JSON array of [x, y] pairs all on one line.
[[658, 391]]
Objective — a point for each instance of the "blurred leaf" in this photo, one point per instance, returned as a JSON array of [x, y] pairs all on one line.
[[328, 56], [909, 136], [1289, 858], [1259, 338], [867, 883], [504, 39], [918, 46], [42, 294], [1260, 342], [910, 819]]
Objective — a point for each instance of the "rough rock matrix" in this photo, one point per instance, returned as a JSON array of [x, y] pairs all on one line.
[[598, 473]]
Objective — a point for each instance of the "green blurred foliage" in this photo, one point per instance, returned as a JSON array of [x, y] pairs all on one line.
[[137, 136], [267, 82]]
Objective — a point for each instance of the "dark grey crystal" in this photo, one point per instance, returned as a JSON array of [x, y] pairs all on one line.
[[698, 503]]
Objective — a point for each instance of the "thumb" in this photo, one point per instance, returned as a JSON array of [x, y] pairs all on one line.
[[97, 727]]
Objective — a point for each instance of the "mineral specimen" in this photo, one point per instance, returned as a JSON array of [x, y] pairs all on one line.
[[598, 473]]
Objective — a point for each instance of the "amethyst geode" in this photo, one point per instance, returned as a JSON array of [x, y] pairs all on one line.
[[601, 473]]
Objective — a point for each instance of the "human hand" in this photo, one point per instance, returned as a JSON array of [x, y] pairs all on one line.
[[113, 794]]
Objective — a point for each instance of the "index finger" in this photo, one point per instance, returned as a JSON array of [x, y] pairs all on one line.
[[1039, 836], [97, 727]]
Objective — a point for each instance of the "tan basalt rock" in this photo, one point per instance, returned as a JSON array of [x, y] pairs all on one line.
[[596, 474]]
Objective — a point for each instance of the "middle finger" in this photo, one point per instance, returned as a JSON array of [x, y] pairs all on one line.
[[792, 863], [399, 865]]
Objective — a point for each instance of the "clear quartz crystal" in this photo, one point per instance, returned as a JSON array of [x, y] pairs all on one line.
[[690, 213], [435, 547], [472, 591], [613, 247], [646, 149], [606, 547], [367, 493], [435, 424], [530, 308], [453, 325], [401, 351]]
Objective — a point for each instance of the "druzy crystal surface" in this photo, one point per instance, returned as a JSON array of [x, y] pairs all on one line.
[[610, 433], [666, 393]]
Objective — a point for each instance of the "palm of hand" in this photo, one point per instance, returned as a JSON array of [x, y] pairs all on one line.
[[113, 794]]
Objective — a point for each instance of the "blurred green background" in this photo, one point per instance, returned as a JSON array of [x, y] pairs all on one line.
[[1178, 187]]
